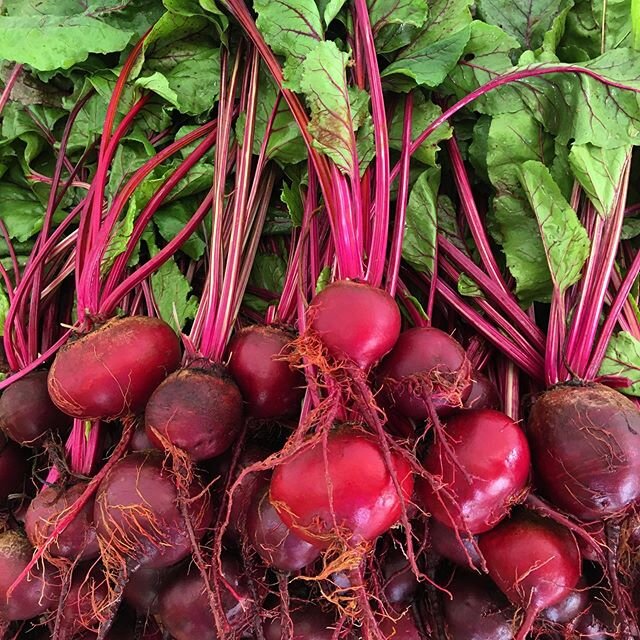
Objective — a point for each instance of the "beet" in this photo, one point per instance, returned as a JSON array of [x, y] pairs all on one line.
[[35, 594], [446, 544], [425, 363], [279, 547], [400, 584], [585, 443], [576, 603], [143, 587], [27, 413], [364, 502], [355, 321], [270, 387], [14, 470], [183, 606], [112, 371], [597, 623], [493, 451], [197, 410], [310, 623], [79, 539], [137, 515], [404, 628], [140, 440], [483, 393]]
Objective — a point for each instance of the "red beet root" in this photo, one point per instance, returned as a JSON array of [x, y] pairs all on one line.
[[400, 584], [33, 596], [355, 321], [426, 363], [14, 470], [493, 451], [576, 603], [446, 544], [483, 393], [269, 386], [196, 410], [137, 515], [585, 442], [364, 502], [112, 371], [279, 547], [404, 628], [308, 624], [79, 539], [143, 587], [27, 413]]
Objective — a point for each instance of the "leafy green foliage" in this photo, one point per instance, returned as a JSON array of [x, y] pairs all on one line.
[[623, 359]]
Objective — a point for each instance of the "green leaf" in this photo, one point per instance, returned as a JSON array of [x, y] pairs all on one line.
[[622, 359], [446, 17], [329, 9], [635, 24], [171, 218], [4, 308], [630, 228], [120, 237], [404, 12], [565, 240], [268, 273], [21, 211], [421, 226], [323, 279], [172, 293], [292, 198], [599, 172], [468, 288], [28, 40]]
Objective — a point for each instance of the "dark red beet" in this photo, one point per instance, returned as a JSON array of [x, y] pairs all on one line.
[[183, 606], [365, 503], [534, 561], [493, 451], [576, 603], [425, 363], [446, 544], [596, 624], [79, 539], [355, 321], [269, 386], [400, 585], [197, 410], [477, 610], [404, 628], [34, 595], [27, 413], [279, 547], [112, 371], [585, 443], [483, 394], [140, 440], [14, 470], [143, 587], [137, 515], [310, 623]]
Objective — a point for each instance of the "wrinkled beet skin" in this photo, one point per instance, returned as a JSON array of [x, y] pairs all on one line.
[[31, 597], [140, 480], [183, 606], [418, 353], [400, 585], [365, 501], [585, 445], [79, 539], [524, 542], [279, 547], [269, 386], [112, 371], [27, 413], [493, 450], [308, 624], [356, 321], [14, 470], [198, 410], [483, 393], [445, 543], [477, 610]]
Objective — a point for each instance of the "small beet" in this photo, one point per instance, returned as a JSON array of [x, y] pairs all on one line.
[[446, 544], [270, 387], [112, 371], [27, 413], [483, 393]]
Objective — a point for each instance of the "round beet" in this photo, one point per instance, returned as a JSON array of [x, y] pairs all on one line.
[[493, 451], [137, 515], [310, 623], [79, 539], [483, 393], [140, 440], [279, 547], [476, 610], [183, 605], [269, 385], [27, 413], [403, 628], [425, 363], [36, 593], [534, 561], [143, 587], [196, 410], [400, 584], [112, 371], [355, 321], [585, 443], [446, 544], [363, 503], [575, 604], [14, 470]]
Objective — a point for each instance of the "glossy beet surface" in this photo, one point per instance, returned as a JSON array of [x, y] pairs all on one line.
[[137, 513], [79, 539], [575, 604], [14, 470], [365, 502], [277, 545], [196, 410], [27, 413], [585, 445], [112, 371], [493, 451], [462, 551], [355, 321], [425, 363], [400, 584], [269, 386], [483, 393], [310, 623], [143, 587]]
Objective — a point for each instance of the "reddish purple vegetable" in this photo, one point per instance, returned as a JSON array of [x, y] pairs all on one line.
[[446, 544], [400, 584], [575, 604], [403, 628], [143, 587], [14, 469], [310, 623], [483, 393]]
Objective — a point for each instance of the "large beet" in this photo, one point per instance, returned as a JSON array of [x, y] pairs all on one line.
[[585, 444], [112, 371]]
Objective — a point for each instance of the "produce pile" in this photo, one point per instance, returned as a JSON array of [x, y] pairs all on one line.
[[320, 319]]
